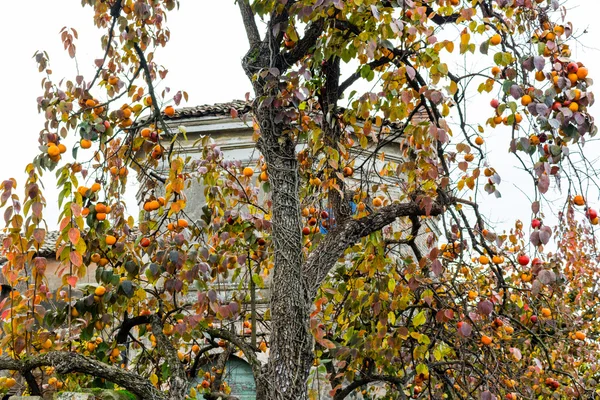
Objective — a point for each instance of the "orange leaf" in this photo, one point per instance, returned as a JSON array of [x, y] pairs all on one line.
[[76, 258], [74, 235], [72, 280]]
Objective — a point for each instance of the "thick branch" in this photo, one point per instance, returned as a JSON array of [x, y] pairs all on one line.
[[394, 380], [129, 323], [65, 363], [281, 19], [248, 351], [178, 379], [220, 367], [303, 46], [249, 22], [34, 388], [355, 76], [339, 239], [194, 369], [436, 18]]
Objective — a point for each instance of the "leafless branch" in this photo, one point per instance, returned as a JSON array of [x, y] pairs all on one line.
[[249, 22]]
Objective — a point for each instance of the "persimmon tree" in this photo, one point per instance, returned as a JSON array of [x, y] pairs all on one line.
[[364, 294]]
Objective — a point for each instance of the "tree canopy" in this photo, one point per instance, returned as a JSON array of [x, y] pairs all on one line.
[[362, 215]]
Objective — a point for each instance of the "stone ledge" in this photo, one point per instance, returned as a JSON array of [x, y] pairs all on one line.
[[24, 398], [94, 394]]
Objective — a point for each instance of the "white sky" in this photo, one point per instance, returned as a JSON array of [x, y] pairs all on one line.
[[203, 58]]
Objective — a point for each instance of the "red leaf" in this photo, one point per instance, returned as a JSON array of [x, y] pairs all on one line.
[[427, 204], [72, 280], [74, 235], [37, 209], [485, 307], [233, 112], [63, 224], [437, 267], [76, 258], [465, 329], [76, 209]]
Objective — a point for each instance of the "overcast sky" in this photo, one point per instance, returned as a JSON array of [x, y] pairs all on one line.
[[203, 58]]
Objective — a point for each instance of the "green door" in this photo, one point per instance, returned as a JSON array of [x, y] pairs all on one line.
[[238, 375]]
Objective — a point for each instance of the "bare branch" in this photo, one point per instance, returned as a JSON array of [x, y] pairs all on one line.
[[249, 22], [248, 351]]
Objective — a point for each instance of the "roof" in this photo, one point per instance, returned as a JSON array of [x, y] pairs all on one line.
[[48, 248], [242, 107], [207, 110]]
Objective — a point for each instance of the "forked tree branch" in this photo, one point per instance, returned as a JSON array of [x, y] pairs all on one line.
[[248, 351], [332, 247]]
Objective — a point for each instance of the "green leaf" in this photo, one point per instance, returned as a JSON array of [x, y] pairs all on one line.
[[127, 288], [419, 319], [258, 280]]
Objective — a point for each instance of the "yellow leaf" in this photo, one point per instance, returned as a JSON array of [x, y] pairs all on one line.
[[445, 110], [453, 88], [153, 379], [464, 38], [449, 46]]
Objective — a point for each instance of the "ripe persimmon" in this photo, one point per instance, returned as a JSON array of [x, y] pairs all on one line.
[[495, 40], [169, 111], [582, 73], [579, 200], [110, 240], [85, 143], [53, 150], [248, 172]]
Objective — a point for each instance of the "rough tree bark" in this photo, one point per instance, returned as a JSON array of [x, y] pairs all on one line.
[[295, 280]]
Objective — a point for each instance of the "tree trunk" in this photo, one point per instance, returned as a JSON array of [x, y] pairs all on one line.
[[291, 342]]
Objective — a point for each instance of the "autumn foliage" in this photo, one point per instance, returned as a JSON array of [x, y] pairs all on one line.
[[385, 275]]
